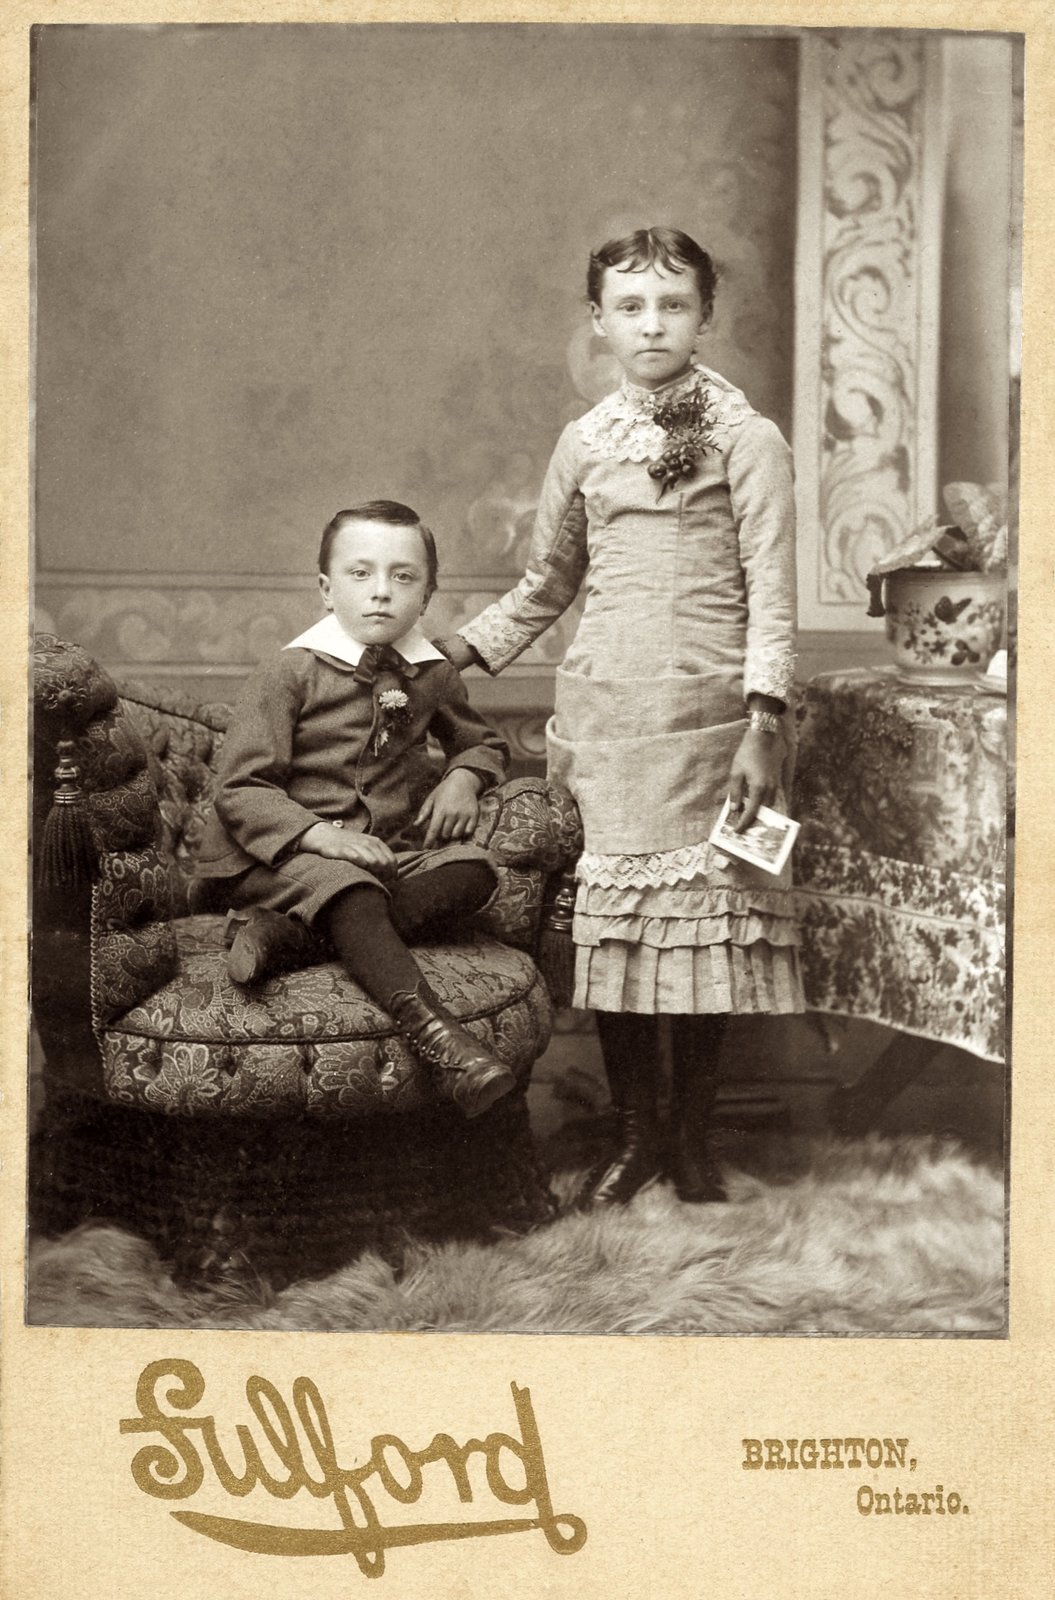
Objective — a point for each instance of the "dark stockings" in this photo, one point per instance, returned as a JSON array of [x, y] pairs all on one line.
[[371, 930], [696, 1046], [630, 1048], [370, 949], [425, 906]]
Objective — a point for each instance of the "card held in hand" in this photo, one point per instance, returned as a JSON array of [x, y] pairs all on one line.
[[767, 843]]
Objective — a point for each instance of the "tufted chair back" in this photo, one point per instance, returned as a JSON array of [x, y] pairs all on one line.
[[183, 741]]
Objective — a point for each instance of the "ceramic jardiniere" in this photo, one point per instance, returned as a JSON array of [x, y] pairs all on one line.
[[943, 626]]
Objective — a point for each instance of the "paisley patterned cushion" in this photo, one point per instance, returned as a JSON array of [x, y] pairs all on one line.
[[125, 817], [308, 1041], [513, 914], [133, 942]]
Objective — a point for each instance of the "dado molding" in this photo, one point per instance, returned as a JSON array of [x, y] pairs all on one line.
[[204, 633], [181, 625]]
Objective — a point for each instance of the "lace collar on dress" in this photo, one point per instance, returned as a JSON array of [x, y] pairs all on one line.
[[623, 426]]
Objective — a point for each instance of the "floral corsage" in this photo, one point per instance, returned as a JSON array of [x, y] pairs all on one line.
[[393, 711], [687, 422]]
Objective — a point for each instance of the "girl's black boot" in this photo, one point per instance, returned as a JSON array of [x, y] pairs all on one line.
[[629, 1046], [696, 1042]]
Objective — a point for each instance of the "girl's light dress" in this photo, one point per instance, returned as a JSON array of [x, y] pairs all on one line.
[[689, 607]]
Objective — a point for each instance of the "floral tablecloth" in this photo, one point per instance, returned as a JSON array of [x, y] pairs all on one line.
[[901, 790]]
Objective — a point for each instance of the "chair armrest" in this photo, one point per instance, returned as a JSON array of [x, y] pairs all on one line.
[[76, 703], [530, 822], [98, 946], [533, 830]]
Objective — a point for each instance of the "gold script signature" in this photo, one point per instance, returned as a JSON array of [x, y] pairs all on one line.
[[298, 1436]]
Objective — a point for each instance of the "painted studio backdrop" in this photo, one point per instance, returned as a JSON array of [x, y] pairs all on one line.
[[282, 269]]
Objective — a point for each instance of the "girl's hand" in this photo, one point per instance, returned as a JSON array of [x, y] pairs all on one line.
[[452, 809], [754, 776], [344, 844], [462, 655]]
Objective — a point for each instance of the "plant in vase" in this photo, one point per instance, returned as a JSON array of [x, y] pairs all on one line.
[[943, 591]]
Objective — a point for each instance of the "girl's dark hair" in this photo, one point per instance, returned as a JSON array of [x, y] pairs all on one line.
[[668, 248], [390, 511]]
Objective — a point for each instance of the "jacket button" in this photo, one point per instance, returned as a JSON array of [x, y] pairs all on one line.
[[364, 788]]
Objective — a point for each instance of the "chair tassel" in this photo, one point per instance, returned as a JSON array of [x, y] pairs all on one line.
[[556, 952], [67, 851]]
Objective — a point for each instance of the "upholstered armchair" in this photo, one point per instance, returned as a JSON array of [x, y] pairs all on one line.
[[287, 1126]]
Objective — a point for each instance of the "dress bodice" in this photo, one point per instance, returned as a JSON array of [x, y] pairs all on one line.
[[696, 579], [664, 585]]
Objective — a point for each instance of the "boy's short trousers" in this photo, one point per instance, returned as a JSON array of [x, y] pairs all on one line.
[[305, 884]]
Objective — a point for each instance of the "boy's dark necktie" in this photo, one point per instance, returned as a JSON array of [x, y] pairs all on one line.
[[378, 658]]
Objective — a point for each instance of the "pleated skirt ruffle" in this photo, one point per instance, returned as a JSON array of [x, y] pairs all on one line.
[[706, 944], [730, 978]]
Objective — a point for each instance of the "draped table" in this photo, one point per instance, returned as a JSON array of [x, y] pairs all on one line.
[[901, 790]]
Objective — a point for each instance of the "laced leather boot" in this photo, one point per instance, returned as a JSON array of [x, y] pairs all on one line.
[[462, 1069], [614, 1182], [629, 1046]]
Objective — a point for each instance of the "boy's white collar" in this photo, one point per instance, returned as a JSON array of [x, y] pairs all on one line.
[[330, 638]]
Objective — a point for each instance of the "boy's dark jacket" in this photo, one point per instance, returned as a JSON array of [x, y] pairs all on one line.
[[299, 750]]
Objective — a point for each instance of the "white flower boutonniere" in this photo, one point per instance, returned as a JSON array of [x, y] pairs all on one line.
[[393, 711]]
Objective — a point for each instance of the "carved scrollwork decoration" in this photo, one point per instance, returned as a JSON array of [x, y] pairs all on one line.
[[872, 303]]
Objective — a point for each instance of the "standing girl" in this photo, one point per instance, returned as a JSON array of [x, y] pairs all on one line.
[[672, 502]]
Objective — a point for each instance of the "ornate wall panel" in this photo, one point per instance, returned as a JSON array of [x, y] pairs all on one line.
[[870, 172]]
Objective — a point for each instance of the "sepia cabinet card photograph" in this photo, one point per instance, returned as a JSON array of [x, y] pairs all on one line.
[[526, 685]]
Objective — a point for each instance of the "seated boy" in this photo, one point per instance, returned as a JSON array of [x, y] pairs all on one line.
[[327, 809]]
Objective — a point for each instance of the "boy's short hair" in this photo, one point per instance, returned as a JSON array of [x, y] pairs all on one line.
[[390, 511]]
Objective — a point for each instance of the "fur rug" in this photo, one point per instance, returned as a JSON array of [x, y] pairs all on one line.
[[876, 1236]]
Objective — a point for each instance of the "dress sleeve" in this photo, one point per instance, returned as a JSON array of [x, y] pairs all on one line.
[[556, 565], [762, 492], [251, 796]]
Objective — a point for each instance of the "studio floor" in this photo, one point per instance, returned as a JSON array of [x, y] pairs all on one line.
[[899, 1231], [778, 1075]]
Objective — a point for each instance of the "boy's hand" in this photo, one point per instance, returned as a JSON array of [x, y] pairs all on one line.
[[344, 844], [754, 776], [452, 809]]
